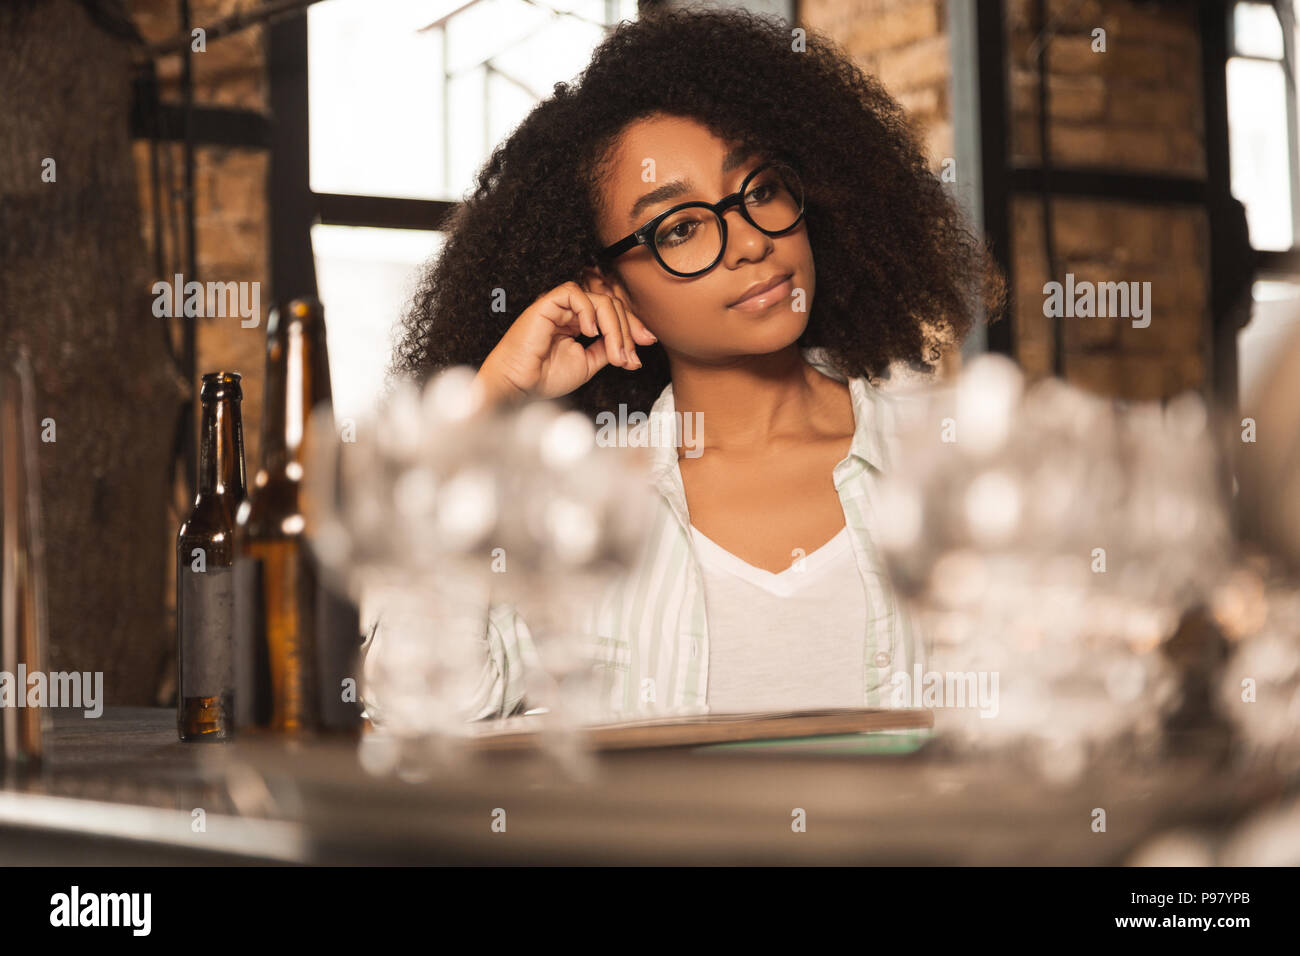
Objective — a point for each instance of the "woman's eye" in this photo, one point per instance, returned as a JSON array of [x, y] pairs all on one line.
[[760, 193], [677, 234]]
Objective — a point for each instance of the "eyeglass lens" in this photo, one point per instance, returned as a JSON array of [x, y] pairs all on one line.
[[690, 240]]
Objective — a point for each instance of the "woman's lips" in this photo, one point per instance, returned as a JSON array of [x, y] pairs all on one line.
[[764, 300]]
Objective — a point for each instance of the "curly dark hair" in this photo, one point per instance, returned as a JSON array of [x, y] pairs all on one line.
[[898, 271]]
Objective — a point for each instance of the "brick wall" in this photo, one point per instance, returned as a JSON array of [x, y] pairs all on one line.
[[1135, 107], [231, 219], [1113, 242], [904, 43]]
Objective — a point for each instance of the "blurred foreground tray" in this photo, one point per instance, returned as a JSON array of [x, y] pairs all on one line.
[[123, 790], [523, 733]]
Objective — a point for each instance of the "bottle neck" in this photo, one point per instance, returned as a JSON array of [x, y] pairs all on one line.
[[297, 380], [221, 451]]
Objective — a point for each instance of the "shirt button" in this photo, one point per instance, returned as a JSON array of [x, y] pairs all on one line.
[[695, 649], [882, 659]]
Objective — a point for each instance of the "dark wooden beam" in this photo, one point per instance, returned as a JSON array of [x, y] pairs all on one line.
[[381, 211], [1105, 184], [210, 125], [994, 165], [293, 269]]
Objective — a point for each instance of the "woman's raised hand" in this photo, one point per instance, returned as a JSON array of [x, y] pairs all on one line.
[[540, 355]]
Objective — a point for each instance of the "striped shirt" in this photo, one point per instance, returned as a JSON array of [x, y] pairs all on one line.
[[648, 637]]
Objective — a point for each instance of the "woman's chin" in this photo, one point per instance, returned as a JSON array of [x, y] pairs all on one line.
[[770, 331]]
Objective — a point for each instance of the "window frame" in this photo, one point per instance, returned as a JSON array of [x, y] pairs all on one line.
[[1272, 259], [294, 207]]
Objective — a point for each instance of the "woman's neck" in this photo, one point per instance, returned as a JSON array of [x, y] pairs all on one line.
[[755, 402]]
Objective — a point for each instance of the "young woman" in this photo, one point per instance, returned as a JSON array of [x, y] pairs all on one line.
[[719, 217]]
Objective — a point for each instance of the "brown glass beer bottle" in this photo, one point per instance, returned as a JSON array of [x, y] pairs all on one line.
[[24, 628], [290, 630], [205, 551]]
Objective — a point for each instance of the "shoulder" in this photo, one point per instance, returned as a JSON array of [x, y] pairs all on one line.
[[889, 411]]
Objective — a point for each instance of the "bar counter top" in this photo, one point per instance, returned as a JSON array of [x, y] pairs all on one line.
[[122, 789]]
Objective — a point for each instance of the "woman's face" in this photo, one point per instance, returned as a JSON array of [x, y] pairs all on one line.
[[701, 318]]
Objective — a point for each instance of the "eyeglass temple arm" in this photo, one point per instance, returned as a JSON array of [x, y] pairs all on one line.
[[622, 246]]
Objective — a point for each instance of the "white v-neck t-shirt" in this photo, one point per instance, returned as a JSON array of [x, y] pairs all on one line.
[[787, 641]]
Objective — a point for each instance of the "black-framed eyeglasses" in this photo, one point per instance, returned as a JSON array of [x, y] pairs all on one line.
[[690, 238]]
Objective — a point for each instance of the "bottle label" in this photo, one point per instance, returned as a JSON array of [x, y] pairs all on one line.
[[207, 623]]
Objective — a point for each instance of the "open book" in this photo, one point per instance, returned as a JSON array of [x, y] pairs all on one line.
[[521, 733]]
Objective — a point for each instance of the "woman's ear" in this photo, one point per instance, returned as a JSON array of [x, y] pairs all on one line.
[[602, 283], [594, 280]]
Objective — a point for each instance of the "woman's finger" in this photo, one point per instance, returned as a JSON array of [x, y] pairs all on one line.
[[634, 360], [588, 320], [612, 328], [639, 330], [568, 308], [585, 308], [640, 333], [597, 357]]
